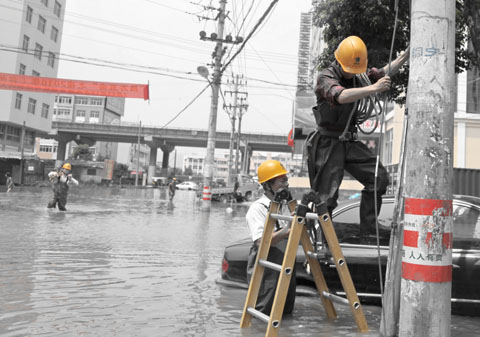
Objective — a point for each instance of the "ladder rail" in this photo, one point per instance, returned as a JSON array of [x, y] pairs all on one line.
[[343, 272], [258, 270]]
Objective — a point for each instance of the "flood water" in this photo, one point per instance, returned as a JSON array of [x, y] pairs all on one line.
[[127, 262]]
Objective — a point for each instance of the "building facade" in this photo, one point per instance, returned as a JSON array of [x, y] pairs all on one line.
[[31, 41]]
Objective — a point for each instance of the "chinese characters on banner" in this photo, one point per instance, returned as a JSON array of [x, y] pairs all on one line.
[[62, 86]]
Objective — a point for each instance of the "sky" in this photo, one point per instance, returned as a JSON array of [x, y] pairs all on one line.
[[159, 39]]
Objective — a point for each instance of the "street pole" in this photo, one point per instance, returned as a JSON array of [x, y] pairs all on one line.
[[138, 153], [22, 150], [212, 124], [425, 300], [237, 152], [232, 133], [175, 163]]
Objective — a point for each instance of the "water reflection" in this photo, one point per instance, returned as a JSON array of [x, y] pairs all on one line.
[[126, 262]]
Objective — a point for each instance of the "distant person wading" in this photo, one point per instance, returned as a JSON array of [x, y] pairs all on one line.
[[60, 180]]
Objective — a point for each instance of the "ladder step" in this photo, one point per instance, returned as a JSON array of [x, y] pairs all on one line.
[[319, 255], [335, 298], [261, 316], [281, 217], [274, 266]]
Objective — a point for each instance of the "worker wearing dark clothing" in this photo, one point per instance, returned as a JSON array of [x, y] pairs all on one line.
[[334, 146], [272, 176], [171, 189], [60, 180]]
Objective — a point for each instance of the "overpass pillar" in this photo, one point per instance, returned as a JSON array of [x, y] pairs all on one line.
[[61, 152], [152, 164], [166, 156]]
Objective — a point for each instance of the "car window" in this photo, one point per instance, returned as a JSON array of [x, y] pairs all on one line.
[[347, 225], [466, 222]]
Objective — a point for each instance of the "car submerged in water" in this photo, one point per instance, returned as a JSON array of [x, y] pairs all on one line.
[[361, 254]]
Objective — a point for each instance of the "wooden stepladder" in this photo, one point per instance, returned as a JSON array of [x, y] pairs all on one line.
[[298, 232]]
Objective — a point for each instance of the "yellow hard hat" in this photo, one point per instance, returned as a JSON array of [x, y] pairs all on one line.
[[67, 166], [174, 178], [352, 55], [270, 169]]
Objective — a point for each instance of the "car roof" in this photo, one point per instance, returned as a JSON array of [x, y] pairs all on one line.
[[390, 198]]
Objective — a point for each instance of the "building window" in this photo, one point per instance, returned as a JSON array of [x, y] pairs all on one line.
[[46, 148], [51, 59], [29, 137], [45, 108], [22, 69], [81, 100], [64, 99], [38, 51], [57, 8], [32, 103], [35, 73], [26, 40], [41, 23], [62, 112], [96, 101], [91, 172], [94, 116], [54, 34], [18, 101], [80, 116], [28, 18], [45, 2], [13, 133], [2, 130]]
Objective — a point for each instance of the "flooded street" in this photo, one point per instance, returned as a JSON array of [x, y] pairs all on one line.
[[126, 262]]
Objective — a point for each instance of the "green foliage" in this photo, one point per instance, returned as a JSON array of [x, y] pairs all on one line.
[[373, 21], [120, 170], [82, 152]]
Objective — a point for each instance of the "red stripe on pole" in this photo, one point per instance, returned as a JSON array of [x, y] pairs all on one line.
[[410, 239], [63, 86], [206, 198], [427, 206], [416, 272]]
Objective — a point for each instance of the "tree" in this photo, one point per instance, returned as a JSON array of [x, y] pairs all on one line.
[[82, 152], [120, 170], [373, 21]]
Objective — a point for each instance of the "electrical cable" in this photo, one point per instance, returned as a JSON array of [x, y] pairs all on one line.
[[186, 107], [382, 122]]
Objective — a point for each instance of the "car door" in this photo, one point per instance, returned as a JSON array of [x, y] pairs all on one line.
[[361, 252], [466, 254]]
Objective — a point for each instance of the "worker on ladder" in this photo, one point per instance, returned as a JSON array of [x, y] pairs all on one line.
[[334, 147], [273, 177]]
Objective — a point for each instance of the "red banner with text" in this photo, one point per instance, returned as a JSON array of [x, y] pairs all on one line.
[[75, 87]]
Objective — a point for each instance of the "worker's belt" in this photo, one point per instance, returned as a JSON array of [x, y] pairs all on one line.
[[349, 136]]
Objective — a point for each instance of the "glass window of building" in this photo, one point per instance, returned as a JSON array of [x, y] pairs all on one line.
[[28, 17], [51, 59], [63, 112], [45, 108], [94, 116], [46, 148], [13, 133], [22, 69], [42, 22], [32, 103], [81, 100], [65, 99], [18, 101], [29, 137], [35, 73], [96, 101], [38, 51], [57, 8], [25, 42], [54, 34]]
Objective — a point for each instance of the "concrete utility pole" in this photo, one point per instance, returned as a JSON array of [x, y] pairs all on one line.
[[212, 123], [138, 153], [232, 134], [425, 300]]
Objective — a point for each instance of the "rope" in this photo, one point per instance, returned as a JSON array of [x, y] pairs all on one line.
[[378, 160]]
